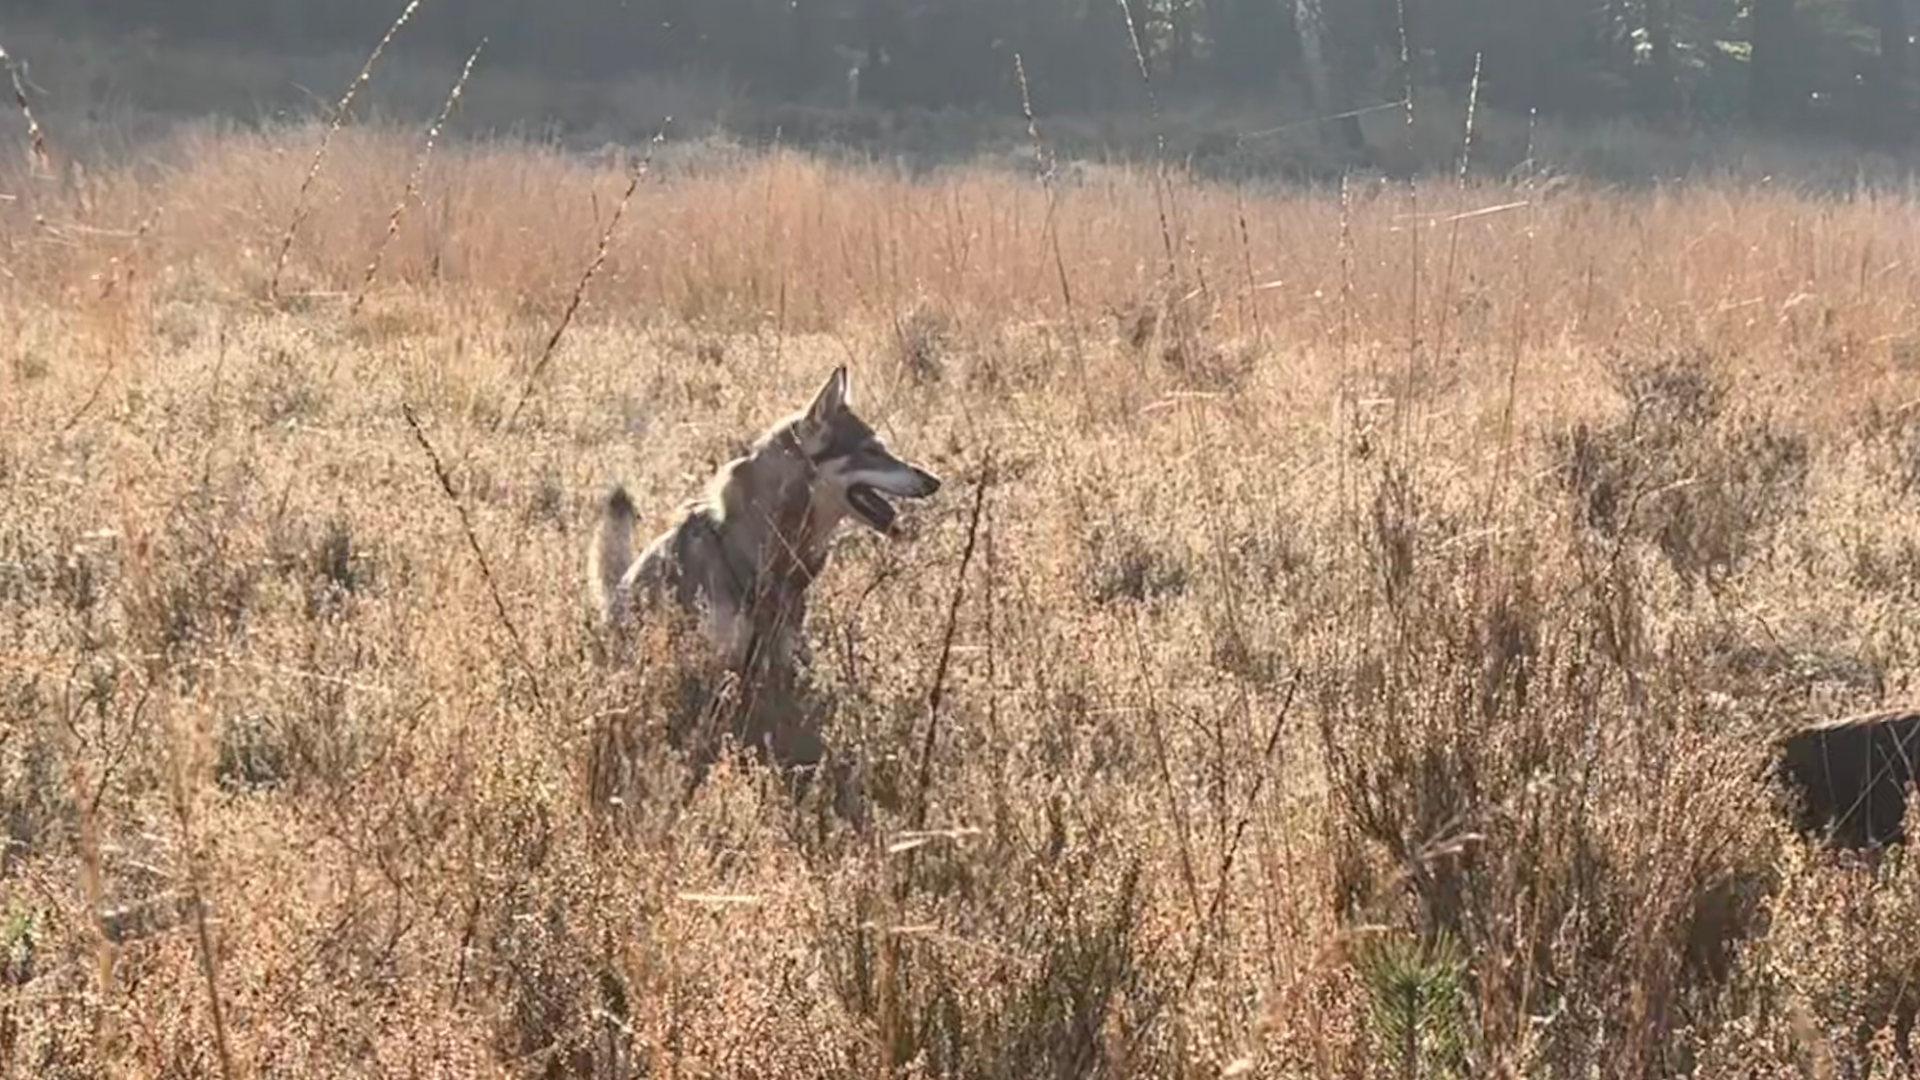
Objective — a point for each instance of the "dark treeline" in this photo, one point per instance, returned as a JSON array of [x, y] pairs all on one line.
[[1834, 64]]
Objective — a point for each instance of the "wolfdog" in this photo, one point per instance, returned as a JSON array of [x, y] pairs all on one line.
[[743, 556]]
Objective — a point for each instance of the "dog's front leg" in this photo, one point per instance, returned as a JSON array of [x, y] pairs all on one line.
[[731, 632]]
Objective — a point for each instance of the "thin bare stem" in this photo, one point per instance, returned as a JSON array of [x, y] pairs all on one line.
[[1216, 905], [634, 177], [415, 179], [1246, 260], [1473, 106], [196, 897], [1406, 66], [1232, 848], [1048, 166], [937, 693], [1453, 234], [86, 803], [1164, 767], [479, 553], [1533, 123], [1161, 193], [1318, 121], [1040, 149], [36, 136], [1050, 228], [1522, 321], [340, 113], [1345, 399], [1403, 404], [1346, 279]]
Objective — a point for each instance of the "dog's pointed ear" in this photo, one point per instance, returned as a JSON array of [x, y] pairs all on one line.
[[834, 398]]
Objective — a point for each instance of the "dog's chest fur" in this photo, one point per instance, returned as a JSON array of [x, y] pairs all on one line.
[[745, 557]]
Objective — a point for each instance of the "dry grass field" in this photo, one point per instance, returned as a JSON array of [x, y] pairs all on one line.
[[1362, 662]]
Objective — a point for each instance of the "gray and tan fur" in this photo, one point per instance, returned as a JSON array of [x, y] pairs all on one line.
[[743, 556]]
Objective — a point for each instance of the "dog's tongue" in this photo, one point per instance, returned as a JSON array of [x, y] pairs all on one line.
[[872, 506]]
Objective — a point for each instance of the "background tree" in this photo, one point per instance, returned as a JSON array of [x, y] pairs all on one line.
[[1893, 27], [1775, 93], [1786, 64]]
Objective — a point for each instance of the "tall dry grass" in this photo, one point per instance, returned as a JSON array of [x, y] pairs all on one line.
[[1321, 697]]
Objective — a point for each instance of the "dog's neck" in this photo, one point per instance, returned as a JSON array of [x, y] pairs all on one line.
[[781, 534]]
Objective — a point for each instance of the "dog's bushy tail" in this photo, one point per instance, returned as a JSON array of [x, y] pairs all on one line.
[[611, 554]]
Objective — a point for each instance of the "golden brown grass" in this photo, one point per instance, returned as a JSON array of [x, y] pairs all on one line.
[[1322, 700]]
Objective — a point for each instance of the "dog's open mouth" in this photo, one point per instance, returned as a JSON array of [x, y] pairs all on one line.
[[873, 507]]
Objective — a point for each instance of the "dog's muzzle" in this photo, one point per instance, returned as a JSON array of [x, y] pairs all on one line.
[[872, 507]]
